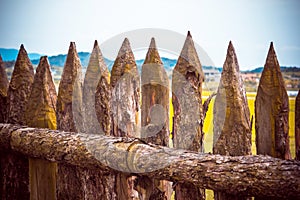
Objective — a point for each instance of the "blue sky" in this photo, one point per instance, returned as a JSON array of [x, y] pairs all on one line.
[[47, 27]]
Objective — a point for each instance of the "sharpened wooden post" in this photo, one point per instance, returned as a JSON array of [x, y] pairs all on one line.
[[3, 92], [187, 82], [272, 111], [69, 183], [15, 180], [20, 88], [96, 107], [71, 78], [3, 117], [95, 71], [154, 117], [125, 96], [232, 128], [40, 113], [125, 85], [75, 182], [297, 126], [41, 105]]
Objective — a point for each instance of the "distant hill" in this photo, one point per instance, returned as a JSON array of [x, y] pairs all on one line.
[[282, 68], [59, 61], [11, 54]]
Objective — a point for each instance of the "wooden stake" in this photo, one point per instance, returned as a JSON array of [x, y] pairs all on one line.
[[272, 111], [232, 127], [125, 96], [188, 111], [40, 113], [14, 166]]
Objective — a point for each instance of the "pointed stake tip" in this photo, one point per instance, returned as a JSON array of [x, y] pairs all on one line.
[[271, 49], [22, 46], [189, 34], [230, 46], [152, 43], [271, 46], [72, 44], [44, 60], [95, 43], [43, 57], [125, 44]]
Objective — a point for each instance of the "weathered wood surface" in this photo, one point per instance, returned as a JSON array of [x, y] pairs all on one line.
[[74, 182], [42, 179], [155, 99], [69, 183], [40, 110], [244, 175], [154, 117], [124, 104], [19, 88], [14, 167], [125, 85], [103, 105], [13, 175], [272, 111], [3, 92], [297, 126], [41, 113], [69, 93], [187, 82], [232, 127], [96, 69]]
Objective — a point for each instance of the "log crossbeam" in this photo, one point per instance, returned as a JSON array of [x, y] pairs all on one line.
[[243, 175]]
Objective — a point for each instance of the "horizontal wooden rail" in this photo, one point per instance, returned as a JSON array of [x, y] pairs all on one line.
[[243, 175]]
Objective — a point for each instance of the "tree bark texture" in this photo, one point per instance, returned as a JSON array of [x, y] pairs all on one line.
[[40, 110], [69, 183], [125, 85], [40, 113], [95, 71], [20, 88], [5, 185], [124, 107], [155, 99], [103, 105], [3, 92], [13, 175], [69, 93], [188, 111], [75, 182], [232, 127], [17, 97], [272, 111], [154, 117], [244, 175]]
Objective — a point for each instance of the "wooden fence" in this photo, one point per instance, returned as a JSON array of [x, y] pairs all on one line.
[[107, 137]]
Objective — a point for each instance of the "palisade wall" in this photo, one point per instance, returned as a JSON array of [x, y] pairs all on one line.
[[110, 143]]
